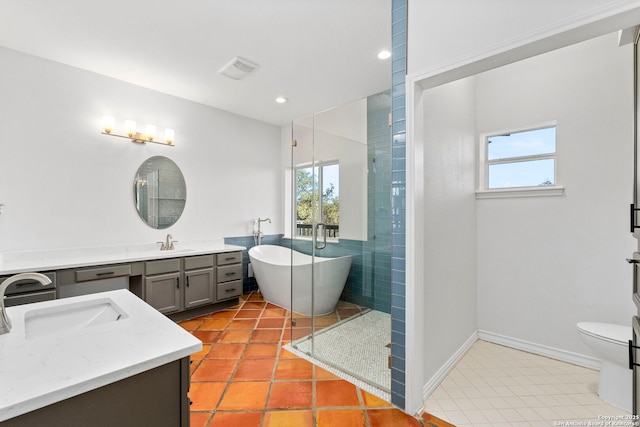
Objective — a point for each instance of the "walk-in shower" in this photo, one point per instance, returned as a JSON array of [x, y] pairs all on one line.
[[340, 204]]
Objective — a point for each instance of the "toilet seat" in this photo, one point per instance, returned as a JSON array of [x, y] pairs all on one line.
[[615, 334]]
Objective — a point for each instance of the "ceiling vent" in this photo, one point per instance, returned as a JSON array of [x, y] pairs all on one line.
[[238, 68]]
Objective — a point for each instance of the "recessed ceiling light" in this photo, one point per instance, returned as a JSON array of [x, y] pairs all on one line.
[[384, 54], [281, 100]]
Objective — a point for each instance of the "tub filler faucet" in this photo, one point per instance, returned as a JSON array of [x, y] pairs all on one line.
[[257, 234]]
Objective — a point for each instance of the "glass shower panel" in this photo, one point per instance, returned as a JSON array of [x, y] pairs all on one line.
[[341, 207], [340, 150], [304, 217]]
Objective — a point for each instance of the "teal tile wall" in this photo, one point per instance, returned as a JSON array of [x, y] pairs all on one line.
[[377, 263], [398, 197]]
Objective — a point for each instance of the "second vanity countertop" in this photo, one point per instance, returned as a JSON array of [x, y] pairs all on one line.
[[21, 262], [42, 370]]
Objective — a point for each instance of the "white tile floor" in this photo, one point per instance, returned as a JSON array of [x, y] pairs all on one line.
[[495, 386]]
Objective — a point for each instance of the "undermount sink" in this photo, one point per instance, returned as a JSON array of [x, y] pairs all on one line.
[[71, 317]]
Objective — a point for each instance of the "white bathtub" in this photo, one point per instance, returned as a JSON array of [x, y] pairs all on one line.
[[273, 272]]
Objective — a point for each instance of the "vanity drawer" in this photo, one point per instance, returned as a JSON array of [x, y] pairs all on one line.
[[103, 272], [230, 258], [162, 266], [229, 290], [229, 272], [201, 261]]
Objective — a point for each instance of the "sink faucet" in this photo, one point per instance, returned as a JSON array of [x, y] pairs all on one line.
[[167, 245], [5, 322]]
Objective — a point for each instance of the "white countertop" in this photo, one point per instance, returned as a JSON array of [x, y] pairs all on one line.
[[21, 262], [37, 372]]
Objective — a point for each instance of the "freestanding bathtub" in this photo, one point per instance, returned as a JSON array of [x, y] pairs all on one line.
[[276, 279]]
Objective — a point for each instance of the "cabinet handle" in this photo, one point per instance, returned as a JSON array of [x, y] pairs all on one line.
[[107, 273], [632, 214], [178, 282], [230, 258], [23, 284], [230, 274], [230, 290], [187, 281], [632, 361]]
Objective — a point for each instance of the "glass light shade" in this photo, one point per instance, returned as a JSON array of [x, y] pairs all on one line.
[[107, 123], [130, 127], [168, 135], [151, 132]]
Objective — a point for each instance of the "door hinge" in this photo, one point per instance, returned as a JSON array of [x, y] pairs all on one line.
[[294, 143]]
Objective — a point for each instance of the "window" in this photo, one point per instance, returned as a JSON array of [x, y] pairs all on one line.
[[310, 207], [524, 159]]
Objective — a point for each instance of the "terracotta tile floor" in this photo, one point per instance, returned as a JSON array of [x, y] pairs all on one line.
[[244, 378]]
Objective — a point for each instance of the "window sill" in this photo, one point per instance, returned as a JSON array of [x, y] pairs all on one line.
[[520, 192]]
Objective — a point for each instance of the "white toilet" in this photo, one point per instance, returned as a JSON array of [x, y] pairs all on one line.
[[611, 343]]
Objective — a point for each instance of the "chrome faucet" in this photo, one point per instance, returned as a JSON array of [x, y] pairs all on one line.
[[167, 245], [257, 234], [5, 322]]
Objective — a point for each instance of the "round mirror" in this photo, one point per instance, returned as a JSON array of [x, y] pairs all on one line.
[[159, 192]]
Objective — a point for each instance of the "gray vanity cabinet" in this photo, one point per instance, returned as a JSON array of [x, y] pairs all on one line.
[[179, 284], [162, 285], [157, 398], [229, 275], [199, 276]]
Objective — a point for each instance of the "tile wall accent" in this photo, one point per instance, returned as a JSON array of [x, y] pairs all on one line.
[[358, 288], [378, 265], [398, 200]]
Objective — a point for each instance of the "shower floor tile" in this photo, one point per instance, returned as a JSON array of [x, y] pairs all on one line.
[[359, 345]]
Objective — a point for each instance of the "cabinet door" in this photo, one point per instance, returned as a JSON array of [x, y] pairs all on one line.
[[199, 287], [163, 292]]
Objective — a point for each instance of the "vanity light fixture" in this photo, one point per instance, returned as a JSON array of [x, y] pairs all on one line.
[[108, 125]]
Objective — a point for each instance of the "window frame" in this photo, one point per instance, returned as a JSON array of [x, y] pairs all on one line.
[[320, 165], [483, 190]]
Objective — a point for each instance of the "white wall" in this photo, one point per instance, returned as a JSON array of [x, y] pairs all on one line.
[[450, 313], [545, 263], [446, 32], [452, 39], [66, 185], [338, 134]]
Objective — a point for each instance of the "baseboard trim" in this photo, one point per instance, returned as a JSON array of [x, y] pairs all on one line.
[[541, 350], [441, 374]]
